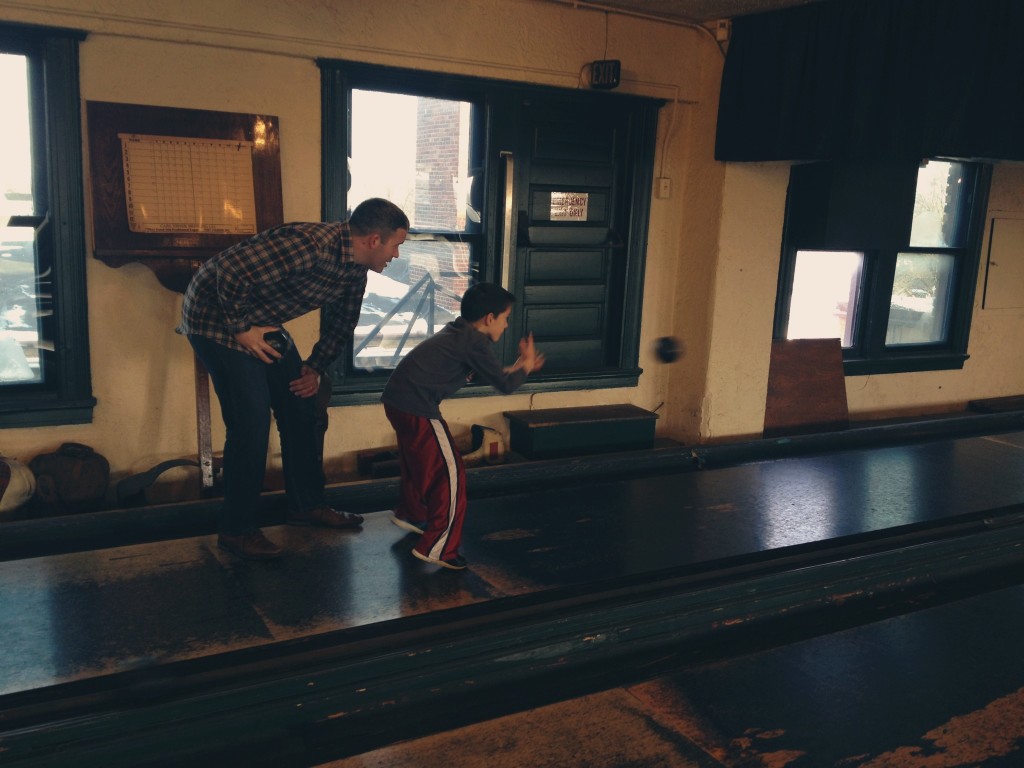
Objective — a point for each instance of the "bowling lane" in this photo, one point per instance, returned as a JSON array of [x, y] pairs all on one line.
[[80, 615], [588, 533]]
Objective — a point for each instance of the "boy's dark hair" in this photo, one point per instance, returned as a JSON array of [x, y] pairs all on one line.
[[379, 216], [484, 299]]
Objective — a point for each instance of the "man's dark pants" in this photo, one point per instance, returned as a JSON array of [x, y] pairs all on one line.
[[249, 390]]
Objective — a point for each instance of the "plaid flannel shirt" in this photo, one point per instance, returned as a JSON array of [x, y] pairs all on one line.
[[274, 277]]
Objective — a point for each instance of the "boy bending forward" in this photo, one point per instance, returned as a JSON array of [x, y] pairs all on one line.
[[433, 495]]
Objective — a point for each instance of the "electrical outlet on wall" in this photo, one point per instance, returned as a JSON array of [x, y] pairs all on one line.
[[663, 187]]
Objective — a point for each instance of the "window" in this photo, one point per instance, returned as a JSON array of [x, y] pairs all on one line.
[[420, 153], [22, 289], [826, 287], [44, 355], [483, 168], [885, 258]]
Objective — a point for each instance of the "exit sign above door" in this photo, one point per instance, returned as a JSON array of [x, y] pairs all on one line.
[[605, 74]]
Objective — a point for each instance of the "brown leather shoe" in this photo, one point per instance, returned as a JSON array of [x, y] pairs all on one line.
[[326, 517], [251, 546]]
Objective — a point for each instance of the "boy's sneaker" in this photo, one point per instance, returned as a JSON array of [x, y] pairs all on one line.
[[408, 525], [457, 563]]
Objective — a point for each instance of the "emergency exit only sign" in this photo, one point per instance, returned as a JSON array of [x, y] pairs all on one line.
[[569, 206]]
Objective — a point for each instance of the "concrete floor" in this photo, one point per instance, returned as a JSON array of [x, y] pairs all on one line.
[[939, 688]]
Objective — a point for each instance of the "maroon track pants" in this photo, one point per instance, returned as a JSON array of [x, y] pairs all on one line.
[[433, 482]]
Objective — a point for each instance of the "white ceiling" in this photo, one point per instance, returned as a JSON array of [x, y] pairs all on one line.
[[692, 10]]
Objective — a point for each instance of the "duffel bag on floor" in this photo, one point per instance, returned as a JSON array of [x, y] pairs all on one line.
[[70, 480]]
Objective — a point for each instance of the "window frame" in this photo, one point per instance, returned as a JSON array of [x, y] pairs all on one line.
[[65, 395], [348, 378], [339, 77], [869, 353]]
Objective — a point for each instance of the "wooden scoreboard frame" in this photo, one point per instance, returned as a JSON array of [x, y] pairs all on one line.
[[173, 256]]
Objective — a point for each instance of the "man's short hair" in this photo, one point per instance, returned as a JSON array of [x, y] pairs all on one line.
[[378, 216], [484, 299]]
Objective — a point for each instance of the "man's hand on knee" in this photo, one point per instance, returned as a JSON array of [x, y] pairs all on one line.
[[307, 384]]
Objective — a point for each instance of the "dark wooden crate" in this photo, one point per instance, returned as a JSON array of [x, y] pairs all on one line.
[[556, 432]]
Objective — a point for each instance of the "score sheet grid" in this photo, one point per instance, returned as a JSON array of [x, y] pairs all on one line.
[[188, 185]]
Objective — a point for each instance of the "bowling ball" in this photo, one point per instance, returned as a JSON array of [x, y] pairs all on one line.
[[668, 349]]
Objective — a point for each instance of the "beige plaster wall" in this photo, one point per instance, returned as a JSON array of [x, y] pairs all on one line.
[[743, 306], [687, 314], [259, 56], [743, 303]]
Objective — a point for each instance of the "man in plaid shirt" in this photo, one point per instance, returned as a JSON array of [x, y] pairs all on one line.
[[250, 290]]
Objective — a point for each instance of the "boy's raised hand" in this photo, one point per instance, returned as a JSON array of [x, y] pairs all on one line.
[[531, 359]]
